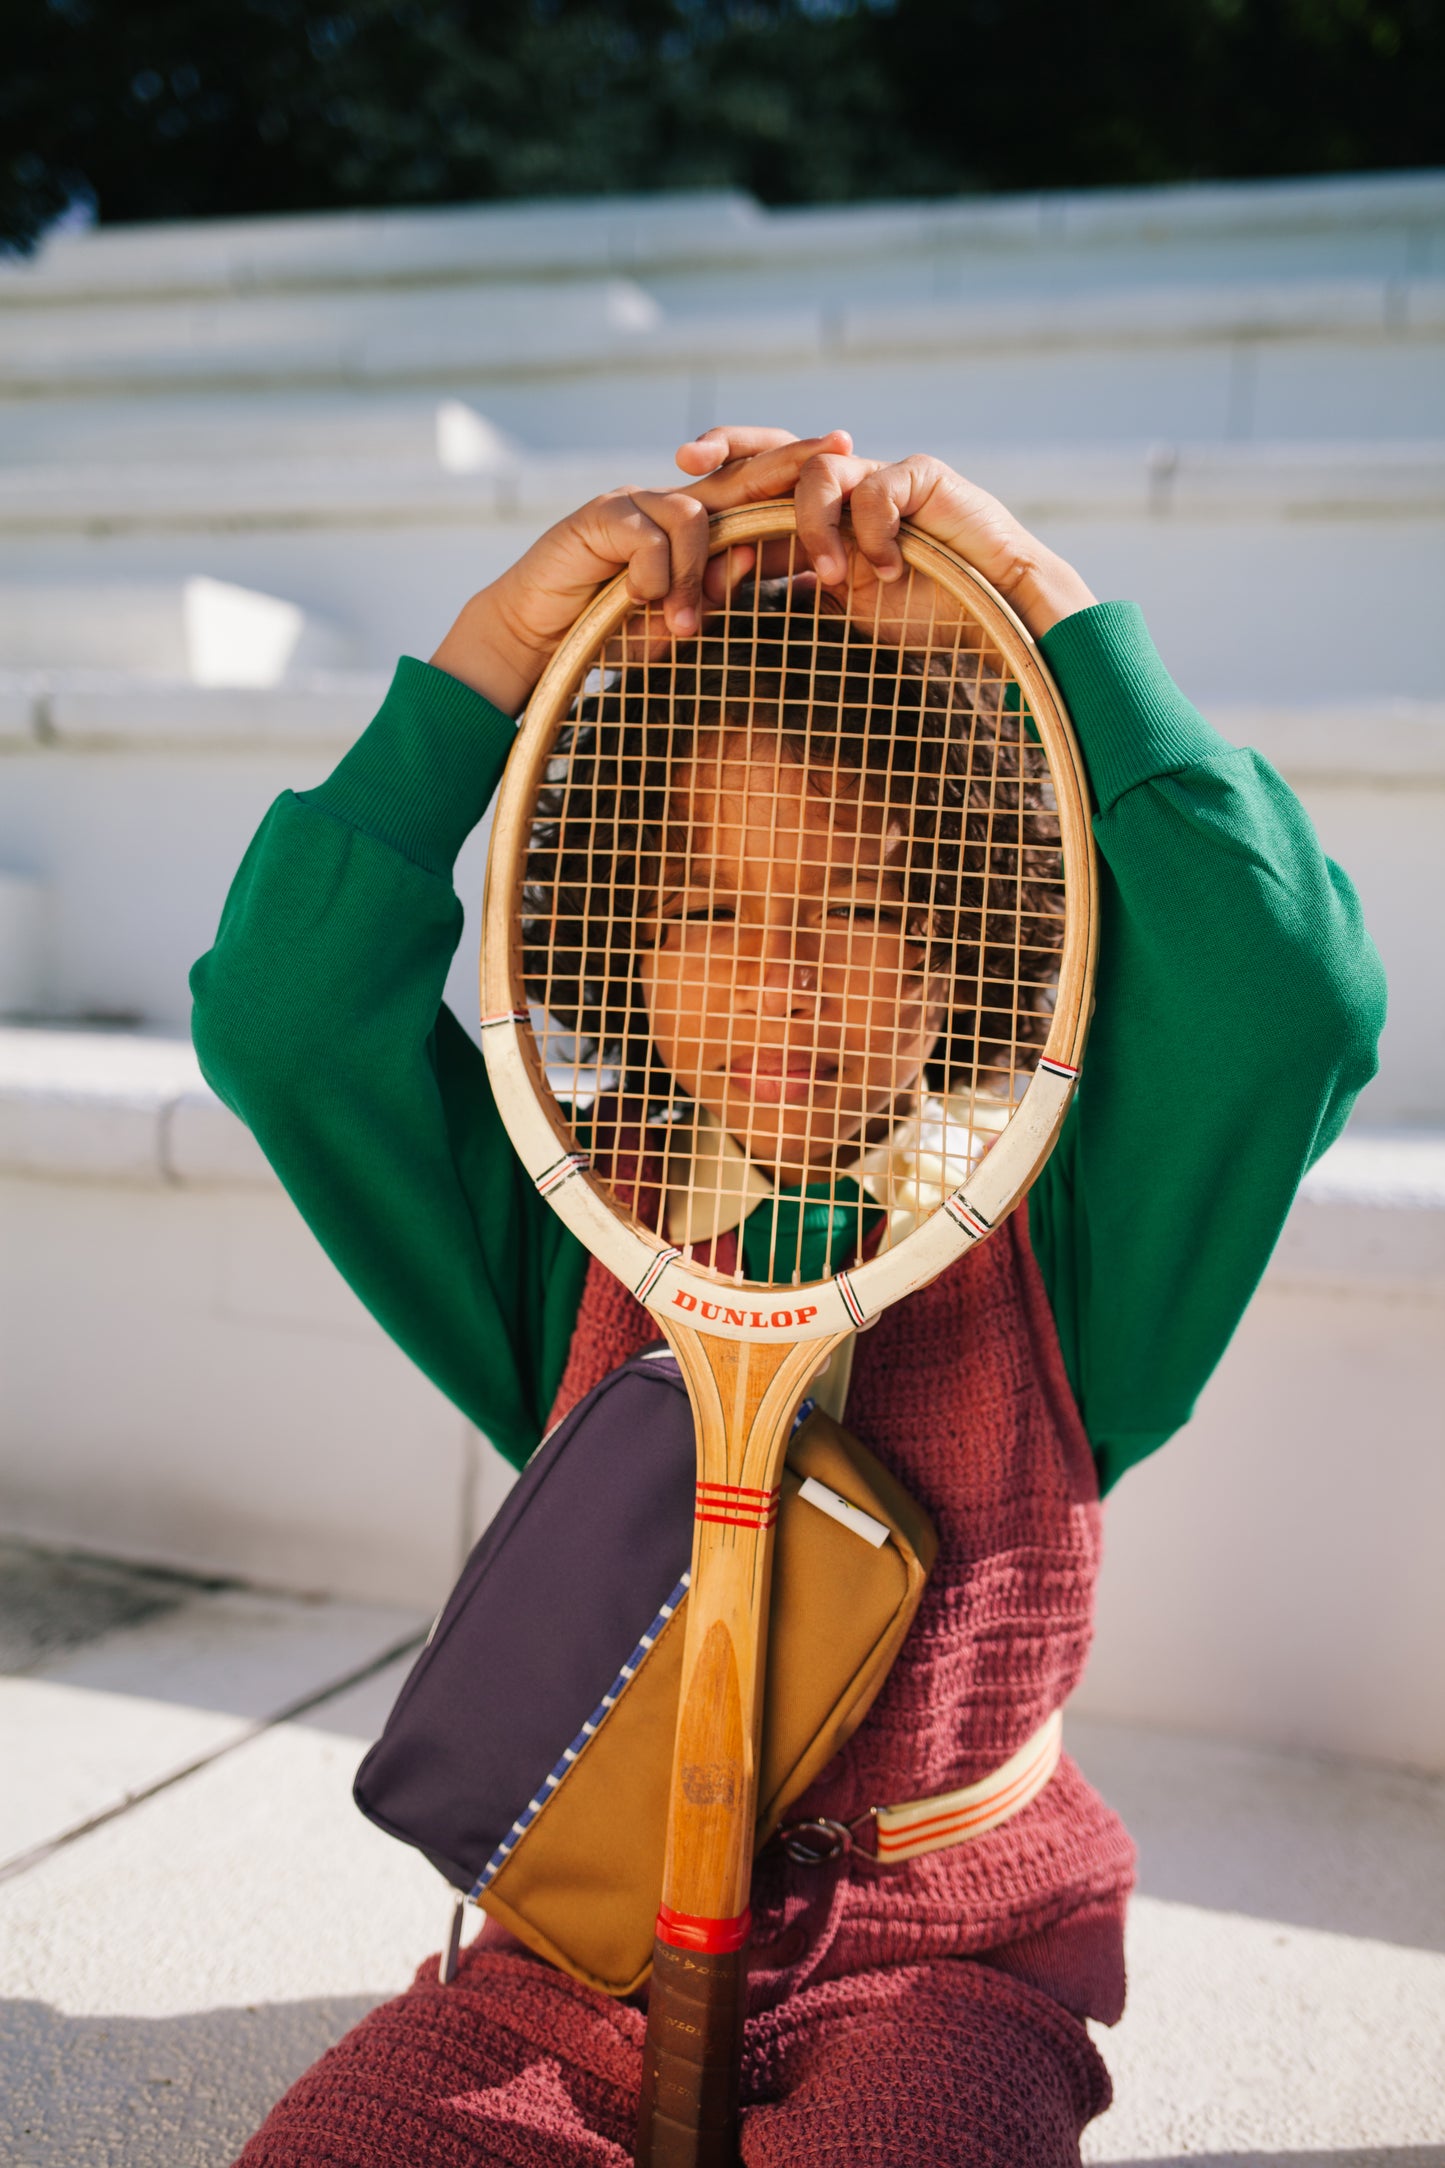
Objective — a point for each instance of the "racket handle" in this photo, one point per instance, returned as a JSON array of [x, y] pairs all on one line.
[[692, 2063]]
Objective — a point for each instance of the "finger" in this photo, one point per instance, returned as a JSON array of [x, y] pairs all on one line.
[[824, 487], [683, 521], [644, 552], [715, 447], [621, 534], [768, 471], [885, 499], [725, 572]]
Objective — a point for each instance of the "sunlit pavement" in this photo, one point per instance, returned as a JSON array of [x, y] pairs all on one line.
[[194, 1908]]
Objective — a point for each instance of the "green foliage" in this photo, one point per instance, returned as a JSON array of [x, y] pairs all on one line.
[[194, 109]]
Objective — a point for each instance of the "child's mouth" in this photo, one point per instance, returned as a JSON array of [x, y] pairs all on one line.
[[772, 1078]]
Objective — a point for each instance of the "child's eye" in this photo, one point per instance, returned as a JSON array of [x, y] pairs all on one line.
[[704, 914]]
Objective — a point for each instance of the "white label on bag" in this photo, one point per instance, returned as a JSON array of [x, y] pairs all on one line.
[[851, 1516]]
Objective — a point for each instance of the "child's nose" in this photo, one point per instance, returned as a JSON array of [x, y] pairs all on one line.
[[787, 975]]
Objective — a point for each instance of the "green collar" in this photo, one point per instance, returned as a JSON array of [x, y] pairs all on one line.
[[814, 1235]]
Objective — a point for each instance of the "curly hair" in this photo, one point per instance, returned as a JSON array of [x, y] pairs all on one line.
[[937, 738]]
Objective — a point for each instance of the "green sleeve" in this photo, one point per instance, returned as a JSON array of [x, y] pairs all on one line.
[[319, 1019], [1239, 1002]]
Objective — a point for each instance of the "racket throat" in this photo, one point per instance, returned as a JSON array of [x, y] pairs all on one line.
[[744, 1398]]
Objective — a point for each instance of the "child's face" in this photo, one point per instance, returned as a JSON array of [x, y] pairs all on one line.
[[783, 992]]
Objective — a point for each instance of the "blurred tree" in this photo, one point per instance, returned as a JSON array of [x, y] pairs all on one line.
[[194, 109]]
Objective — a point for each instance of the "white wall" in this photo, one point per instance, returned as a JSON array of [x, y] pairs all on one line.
[[188, 1381]]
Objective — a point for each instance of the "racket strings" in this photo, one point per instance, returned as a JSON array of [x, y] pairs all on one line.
[[791, 916]]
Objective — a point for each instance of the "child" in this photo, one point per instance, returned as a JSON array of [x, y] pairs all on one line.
[[929, 2013]]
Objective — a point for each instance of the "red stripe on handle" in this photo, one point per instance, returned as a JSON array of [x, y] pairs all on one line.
[[683, 1931]]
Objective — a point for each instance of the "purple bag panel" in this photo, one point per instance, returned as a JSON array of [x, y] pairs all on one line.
[[588, 1548]]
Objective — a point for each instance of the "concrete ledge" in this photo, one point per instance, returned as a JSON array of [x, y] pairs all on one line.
[[640, 233], [87, 1106], [116, 1107], [99, 710], [1397, 744], [1372, 1211], [1181, 481], [1393, 744], [442, 334], [192, 628], [1148, 315], [447, 334]]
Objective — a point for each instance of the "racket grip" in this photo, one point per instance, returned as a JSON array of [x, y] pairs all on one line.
[[692, 2063]]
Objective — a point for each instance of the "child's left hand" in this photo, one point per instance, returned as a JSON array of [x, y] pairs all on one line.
[[880, 495], [1038, 583]]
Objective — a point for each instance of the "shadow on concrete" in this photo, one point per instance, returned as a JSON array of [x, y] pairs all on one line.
[[1351, 1848], [52, 1602], [171, 2092]]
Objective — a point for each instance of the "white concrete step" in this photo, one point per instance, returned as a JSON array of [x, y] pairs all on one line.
[[353, 338], [467, 336], [85, 1733], [106, 710], [126, 805], [123, 1107], [218, 429], [116, 1107], [1376, 221], [1141, 481], [1386, 742], [205, 632]]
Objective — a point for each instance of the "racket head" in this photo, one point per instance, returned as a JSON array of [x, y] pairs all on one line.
[[585, 923]]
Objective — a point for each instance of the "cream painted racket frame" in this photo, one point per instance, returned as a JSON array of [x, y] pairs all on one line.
[[695, 1295]]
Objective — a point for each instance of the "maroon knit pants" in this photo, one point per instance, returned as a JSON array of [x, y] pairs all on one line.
[[940, 2065]]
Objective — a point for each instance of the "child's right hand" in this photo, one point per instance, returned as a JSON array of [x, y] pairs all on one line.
[[506, 634]]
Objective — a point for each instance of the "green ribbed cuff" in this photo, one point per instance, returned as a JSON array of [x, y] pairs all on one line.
[[1133, 721], [422, 775]]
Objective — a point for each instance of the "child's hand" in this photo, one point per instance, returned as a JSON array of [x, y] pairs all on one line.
[[1041, 586], [505, 636]]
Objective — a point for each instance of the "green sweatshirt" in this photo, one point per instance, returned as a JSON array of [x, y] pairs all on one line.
[[1239, 1002]]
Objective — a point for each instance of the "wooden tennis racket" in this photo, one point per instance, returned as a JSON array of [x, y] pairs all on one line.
[[807, 901]]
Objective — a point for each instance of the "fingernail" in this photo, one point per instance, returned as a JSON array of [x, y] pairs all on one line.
[[889, 572], [684, 622], [829, 568]]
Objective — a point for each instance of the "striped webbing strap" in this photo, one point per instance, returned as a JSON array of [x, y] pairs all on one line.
[[927, 1825]]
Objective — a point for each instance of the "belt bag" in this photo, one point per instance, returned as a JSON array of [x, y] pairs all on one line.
[[529, 1751]]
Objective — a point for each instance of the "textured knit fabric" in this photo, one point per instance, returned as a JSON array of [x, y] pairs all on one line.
[[961, 1393], [920, 2066], [1238, 1005]]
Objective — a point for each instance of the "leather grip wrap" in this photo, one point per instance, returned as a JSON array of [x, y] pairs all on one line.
[[688, 2111]]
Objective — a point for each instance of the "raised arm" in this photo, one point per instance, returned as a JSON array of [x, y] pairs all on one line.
[[318, 1013], [1238, 1009], [1239, 997], [319, 1020]]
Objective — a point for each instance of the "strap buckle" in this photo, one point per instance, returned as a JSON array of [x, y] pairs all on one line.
[[821, 1841]]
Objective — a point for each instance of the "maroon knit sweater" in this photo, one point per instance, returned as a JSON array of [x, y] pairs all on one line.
[[961, 1391]]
